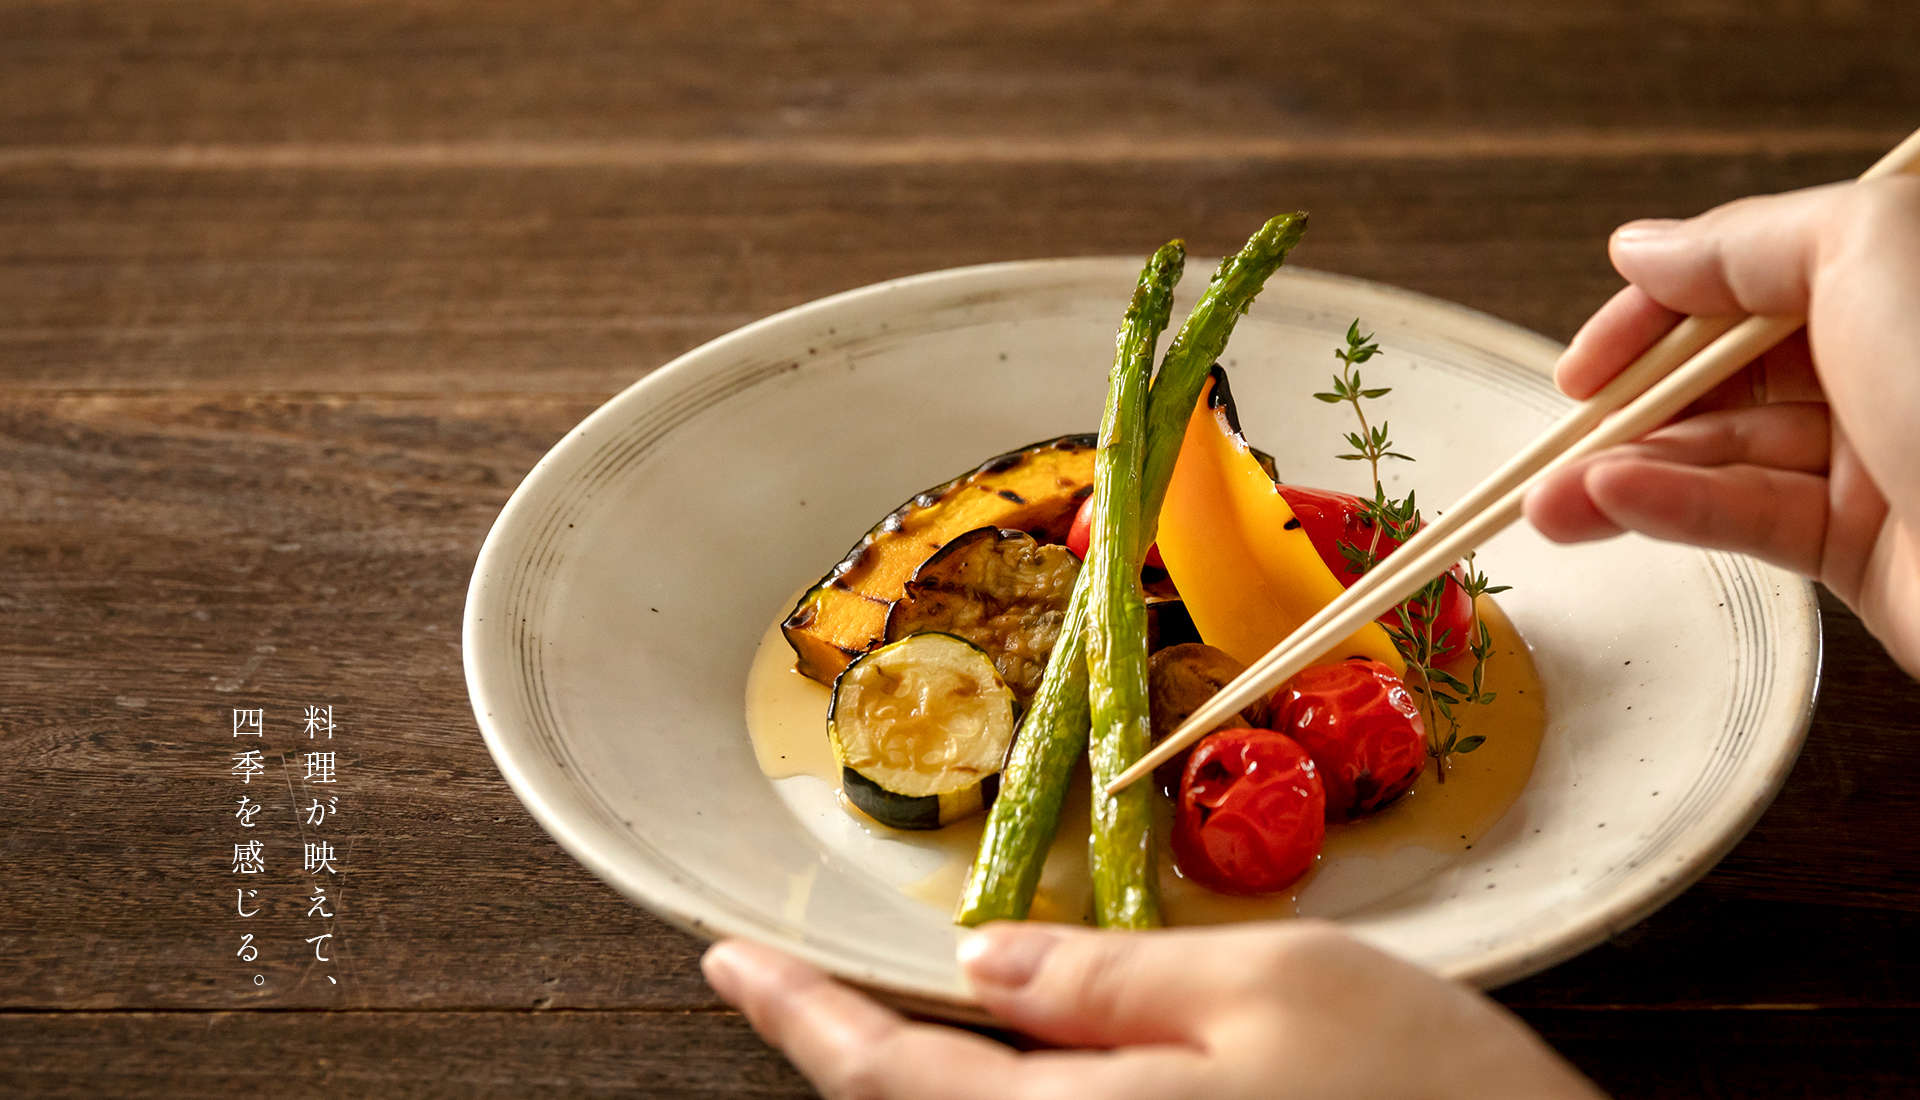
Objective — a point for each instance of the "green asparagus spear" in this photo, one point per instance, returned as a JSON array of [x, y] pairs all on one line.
[[1126, 891], [1021, 825], [1053, 733], [1195, 348]]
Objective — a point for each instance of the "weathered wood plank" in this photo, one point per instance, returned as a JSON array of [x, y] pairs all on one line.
[[1677, 1055], [414, 1054], [274, 554], [122, 71], [164, 558], [536, 203], [581, 280]]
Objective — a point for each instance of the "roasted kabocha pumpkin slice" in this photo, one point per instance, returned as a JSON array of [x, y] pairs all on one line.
[[920, 728], [1002, 590], [1035, 489]]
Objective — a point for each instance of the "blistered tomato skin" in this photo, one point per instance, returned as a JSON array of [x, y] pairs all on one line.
[[1361, 726], [1331, 518], [1251, 814]]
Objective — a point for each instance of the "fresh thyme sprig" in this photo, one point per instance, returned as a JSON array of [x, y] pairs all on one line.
[[1441, 692]]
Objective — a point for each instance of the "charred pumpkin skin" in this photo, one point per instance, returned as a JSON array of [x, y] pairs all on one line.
[[1036, 489]]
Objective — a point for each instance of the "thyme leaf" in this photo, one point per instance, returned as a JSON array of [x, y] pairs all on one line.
[[1413, 633]]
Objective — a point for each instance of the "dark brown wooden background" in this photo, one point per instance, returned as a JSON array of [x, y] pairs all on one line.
[[293, 293]]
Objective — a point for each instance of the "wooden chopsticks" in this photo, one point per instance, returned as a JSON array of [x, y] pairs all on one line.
[[1699, 354]]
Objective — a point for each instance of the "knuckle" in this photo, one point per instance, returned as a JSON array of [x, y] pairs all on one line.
[[1103, 967], [1311, 953], [1050, 1086], [1896, 195], [1867, 212], [1747, 205]]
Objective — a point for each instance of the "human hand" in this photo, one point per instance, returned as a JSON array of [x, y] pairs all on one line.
[[1807, 459], [1277, 1011]]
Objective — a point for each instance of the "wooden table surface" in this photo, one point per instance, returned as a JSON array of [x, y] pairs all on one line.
[[293, 294]]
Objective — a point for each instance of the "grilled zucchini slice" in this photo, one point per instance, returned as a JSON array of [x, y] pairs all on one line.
[[920, 728]]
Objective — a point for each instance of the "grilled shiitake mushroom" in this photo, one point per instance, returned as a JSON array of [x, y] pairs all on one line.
[[1179, 679]]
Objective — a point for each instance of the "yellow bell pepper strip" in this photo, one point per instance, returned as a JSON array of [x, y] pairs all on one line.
[[1245, 568]]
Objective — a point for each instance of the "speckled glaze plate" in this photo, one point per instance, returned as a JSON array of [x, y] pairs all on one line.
[[617, 603]]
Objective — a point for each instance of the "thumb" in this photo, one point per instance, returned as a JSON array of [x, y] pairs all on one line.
[[1077, 987]]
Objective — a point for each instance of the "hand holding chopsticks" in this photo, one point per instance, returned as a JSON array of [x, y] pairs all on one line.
[[1678, 370]]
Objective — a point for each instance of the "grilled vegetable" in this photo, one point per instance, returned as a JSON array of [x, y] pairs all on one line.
[[1002, 590], [1179, 679], [1201, 340], [1182, 677], [1021, 824], [1251, 814], [1362, 728], [1080, 535], [1168, 624], [899, 811], [1331, 519], [1035, 489], [1247, 572], [920, 728], [1126, 887]]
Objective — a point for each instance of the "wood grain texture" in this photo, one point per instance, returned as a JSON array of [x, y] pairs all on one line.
[[132, 72], [54, 1056], [186, 554], [85, 1055], [292, 295], [1770, 1053], [550, 280]]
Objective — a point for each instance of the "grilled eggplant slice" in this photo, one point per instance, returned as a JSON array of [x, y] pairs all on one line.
[[1000, 589], [920, 728], [1036, 489], [1168, 624]]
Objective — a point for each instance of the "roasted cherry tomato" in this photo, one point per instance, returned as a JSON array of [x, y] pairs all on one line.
[[1361, 726], [1251, 815], [1080, 536], [1331, 518]]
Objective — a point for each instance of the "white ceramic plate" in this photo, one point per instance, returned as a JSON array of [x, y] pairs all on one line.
[[618, 600]]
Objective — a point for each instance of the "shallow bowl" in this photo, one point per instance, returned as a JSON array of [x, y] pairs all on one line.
[[617, 603]]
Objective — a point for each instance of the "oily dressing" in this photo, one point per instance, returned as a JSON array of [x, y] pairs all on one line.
[[787, 719]]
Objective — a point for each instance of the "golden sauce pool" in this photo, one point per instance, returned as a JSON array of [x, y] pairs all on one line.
[[787, 719]]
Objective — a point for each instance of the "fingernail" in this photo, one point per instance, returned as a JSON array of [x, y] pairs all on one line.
[[1646, 229], [1007, 957], [719, 968]]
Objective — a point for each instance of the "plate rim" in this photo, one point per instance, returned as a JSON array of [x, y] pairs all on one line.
[[1486, 968]]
